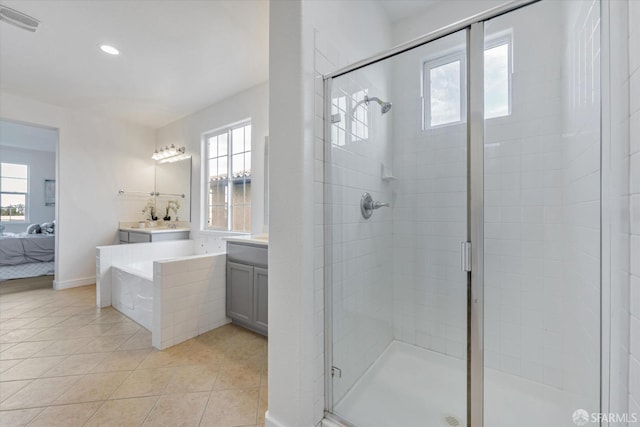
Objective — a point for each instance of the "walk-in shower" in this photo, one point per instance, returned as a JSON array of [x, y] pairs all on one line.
[[473, 297]]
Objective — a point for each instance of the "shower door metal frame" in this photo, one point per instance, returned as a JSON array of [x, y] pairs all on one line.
[[474, 27], [475, 224]]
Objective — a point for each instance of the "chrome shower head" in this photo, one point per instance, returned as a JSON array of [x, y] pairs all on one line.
[[384, 106]]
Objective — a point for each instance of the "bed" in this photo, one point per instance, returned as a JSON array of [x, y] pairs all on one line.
[[26, 255]]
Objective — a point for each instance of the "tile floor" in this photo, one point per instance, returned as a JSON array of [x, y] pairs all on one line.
[[64, 362]]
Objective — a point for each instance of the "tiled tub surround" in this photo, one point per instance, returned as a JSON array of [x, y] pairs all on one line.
[[132, 291], [176, 298]]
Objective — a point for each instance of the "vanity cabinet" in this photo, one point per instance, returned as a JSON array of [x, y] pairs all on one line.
[[127, 236], [247, 286]]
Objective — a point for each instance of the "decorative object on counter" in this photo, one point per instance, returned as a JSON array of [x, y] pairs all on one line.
[[170, 154], [141, 224], [150, 208], [172, 205]]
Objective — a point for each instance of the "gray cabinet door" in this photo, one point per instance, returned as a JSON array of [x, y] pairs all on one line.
[[261, 297], [239, 291], [139, 237], [174, 235]]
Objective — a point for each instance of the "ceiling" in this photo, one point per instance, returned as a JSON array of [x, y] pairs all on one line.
[[177, 57], [400, 9], [27, 137]]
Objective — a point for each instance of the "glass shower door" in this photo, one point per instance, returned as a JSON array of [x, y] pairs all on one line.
[[396, 214], [542, 215]]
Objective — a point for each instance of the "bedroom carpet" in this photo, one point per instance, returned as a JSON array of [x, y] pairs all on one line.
[[64, 362]]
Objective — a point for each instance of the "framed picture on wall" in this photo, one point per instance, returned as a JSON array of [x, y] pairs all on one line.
[[49, 192]]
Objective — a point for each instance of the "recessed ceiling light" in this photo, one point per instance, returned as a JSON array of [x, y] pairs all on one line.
[[109, 49]]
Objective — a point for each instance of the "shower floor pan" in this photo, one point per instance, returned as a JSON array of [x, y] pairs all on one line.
[[412, 387]]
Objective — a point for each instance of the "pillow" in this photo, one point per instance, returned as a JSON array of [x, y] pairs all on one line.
[[33, 229], [47, 228]]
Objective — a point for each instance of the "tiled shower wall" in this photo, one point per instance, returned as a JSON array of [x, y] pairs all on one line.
[[542, 208], [429, 214], [338, 42], [523, 197], [581, 154], [359, 272]]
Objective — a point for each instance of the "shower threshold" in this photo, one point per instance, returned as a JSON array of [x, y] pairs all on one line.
[[408, 386]]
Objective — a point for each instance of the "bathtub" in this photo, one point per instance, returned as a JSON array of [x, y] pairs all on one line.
[[164, 287], [132, 291]]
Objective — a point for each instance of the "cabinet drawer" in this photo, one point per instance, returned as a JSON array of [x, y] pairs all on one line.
[[124, 236], [247, 254], [139, 237]]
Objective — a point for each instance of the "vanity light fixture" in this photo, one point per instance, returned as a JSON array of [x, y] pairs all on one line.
[[18, 19], [169, 154], [109, 49]]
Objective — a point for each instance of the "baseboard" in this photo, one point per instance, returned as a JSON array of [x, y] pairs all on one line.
[[66, 284], [269, 421]]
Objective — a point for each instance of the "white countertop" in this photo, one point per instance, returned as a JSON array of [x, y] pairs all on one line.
[[262, 239], [154, 230]]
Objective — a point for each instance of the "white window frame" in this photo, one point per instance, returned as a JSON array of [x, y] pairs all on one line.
[[460, 55], [27, 198], [350, 121], [426, 79], [229, 181], [495, 41]]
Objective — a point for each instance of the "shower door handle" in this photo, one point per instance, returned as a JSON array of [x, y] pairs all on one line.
[[465, 256]]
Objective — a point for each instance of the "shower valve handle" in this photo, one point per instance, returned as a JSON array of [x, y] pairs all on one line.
[[378, 205], [367, 205]]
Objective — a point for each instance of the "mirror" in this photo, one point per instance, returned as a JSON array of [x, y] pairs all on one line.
[[172, 181], [266, 184]]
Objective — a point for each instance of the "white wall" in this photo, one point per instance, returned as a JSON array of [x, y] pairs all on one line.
[[96, 157], [437, 16], [634, 191], [252, 103], [42, 165], [296, 308], [616, 192]]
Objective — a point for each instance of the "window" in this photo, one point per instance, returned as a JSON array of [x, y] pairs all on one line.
[[353, 114], [445, 91], [446, 94], [14, 192], [497, 81], [228, 178]]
